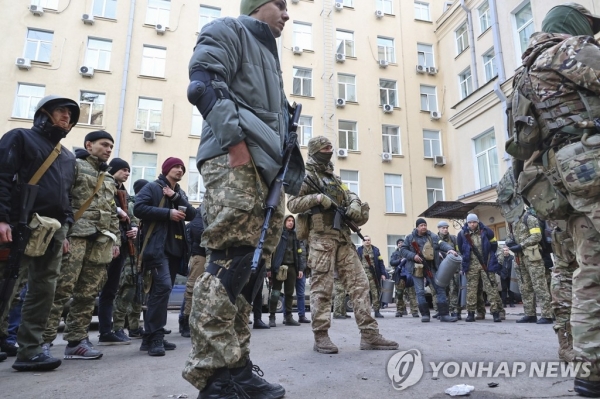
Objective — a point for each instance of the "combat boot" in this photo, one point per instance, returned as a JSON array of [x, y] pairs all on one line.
[[323, 343], [399, 313], [527, 319], [590, 389], [565, 348], [443, 311], [470, 317], [289, 320], [378, 314], [424, 309], [185, 327], [253, 385], [496, 316], [157, 347], [544, 320], [220, 386], [372, 340], [272, 320]]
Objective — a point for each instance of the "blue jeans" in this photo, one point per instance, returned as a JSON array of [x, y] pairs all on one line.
[[300, 298], [420, 289], [14, 317]]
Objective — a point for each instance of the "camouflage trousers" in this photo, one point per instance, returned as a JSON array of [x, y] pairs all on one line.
[[196, 265], [339, 299], [325, 255], [80, 279], [233, 201], [404, 295], [490, 286], [452, 293], [373, 290], [561, 286], [533, 286], [125, 307]]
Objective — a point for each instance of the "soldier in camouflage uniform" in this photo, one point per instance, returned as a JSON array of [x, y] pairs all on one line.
[[372, 262], [330, 248], [524, 241], [94, 241]]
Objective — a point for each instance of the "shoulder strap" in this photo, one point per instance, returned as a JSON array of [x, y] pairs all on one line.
[[150, 230], [44, 167], [88, 202]]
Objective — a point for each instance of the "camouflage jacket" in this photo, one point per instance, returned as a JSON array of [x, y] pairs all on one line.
[[101, 215], [321, 221], [526, 233]]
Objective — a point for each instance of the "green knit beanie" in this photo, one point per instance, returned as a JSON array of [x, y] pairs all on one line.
[[247, 6]]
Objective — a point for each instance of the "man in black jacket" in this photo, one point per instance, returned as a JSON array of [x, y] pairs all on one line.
[[165, 248], [22, 152]]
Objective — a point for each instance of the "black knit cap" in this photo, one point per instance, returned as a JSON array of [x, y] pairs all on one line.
[[139, 184], [420, 221], [97, 135], [117, 164]]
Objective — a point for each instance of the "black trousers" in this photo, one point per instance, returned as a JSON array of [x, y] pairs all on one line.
[[163, 277], [109, 291], [506, 294]]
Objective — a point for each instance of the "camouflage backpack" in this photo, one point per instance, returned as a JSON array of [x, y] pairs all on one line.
[[510, 201]]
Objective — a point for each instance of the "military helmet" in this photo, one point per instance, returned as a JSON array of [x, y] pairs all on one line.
[[49, 103], [443, 223], [316, 144]]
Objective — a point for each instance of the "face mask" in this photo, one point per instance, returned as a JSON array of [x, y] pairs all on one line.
[[323, 157]]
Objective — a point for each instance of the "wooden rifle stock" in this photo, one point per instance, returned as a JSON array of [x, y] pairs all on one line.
[[425, 264]]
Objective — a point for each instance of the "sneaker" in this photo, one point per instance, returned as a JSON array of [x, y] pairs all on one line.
[[156, 348], [146, 343], [112, 338], [84, 350], [137, 333], [9, 348], [39, 362], [121, 334]]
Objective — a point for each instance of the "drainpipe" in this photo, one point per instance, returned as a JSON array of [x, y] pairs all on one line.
[[499, 54], [124, 81], [471, 45]]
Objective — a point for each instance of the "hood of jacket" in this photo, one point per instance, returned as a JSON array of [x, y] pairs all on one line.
[[540, 42]]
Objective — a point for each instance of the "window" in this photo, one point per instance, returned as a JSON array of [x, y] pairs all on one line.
[[92, 108], [489, 65], [486, 159], [158, 12], [394, 202], [347, 87], [385, 49], [435, 190], [462, 40], [344, 42], [143, 166], [355, 239], [347, 3], [524, 21], [391, 243], [484, 16], [465, 83], [388, 92], [350, 179], [197, 121], [105, 8], [50, 4], [385, 6], [428, 98], [27, 99], [422, 11], [208, 14], [305, 128], [391, 139], [38, 45], [196, 187], [425, 54], [302, 82], [148, 114], [348, 135], [153, 61], [303, 35], [432, 143], [97, 54]]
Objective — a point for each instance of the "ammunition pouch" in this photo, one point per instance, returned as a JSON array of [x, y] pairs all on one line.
[[42, 230], [101, 252], [282, 273], [418, 270], [546, 198], [236, 276]]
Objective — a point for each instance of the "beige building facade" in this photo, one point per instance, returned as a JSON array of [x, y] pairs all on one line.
[[409, 92]]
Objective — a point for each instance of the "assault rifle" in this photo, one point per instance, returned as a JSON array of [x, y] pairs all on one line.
[[479, 257], [374, 273], [21, 237], [426, 265], [122, 196]]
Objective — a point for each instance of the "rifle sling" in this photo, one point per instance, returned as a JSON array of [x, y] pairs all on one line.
[[44, 167], [88, 202]]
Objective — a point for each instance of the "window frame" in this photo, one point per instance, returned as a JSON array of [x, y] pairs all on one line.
[[389, 138], [529, 23], [98, 51], [390, 93], [346, 133], [209, 18], [465, 83], [419, 9], [393, 186], [143, 174], [491, 63], [196, 123], [430, 144], [425, 55], [39, 44], [486, 152], [484, 16], [384, 48], [347, 87], [303, 81], [302, 127], [32, 100], [434, 95], [154, 61], [91, 105], [104, 7], [163, 15], [300, 38], [149, 115], [198, 194], [435, 190], [44, 4], [462, 39], [351, 183], [387, 6], [339, 41]]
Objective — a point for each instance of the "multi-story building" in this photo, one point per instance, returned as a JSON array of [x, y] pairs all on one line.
[[410, 92]]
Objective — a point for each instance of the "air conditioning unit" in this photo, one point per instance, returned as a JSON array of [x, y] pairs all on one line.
[[439, 160], [36, 10], [160, 29], [23, 63], [340, 103], [339, 57], [86, 71], [379, 14], [383, 63], [435, 115], [432, 70], [342, 153], [149, 135], [297, 50], [388, 108], [338, 6], [386, 157], [421, 68], [87, 19]]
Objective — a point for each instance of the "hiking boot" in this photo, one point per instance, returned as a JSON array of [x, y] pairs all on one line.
[[145, 343], [424, 309], [156, 347], [272, 321], [323, 343], [112, 338], [544, 320], [137, 333], [289, 321], [470, 317], [83, 350], [590, 389], [378, 315], [480, 316], [496, 316], [565, 348], [399, 314], [39, 362], [185, 327], [443, 312], [527, 319], [339, 316], [303, 319], [253, 385], [219, 386], [260, 325], [372, 340]]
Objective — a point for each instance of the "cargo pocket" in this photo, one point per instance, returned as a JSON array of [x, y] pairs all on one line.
[[321, 255], [101, 252]]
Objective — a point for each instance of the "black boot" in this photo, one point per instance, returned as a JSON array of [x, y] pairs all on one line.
[[425, 315], [185, 327], [260, 325], [219, 386], [253, 385], [378, 315], [527, 319], [590, 389], [470, 317], [496, 316], [443, 310], [3, 356]]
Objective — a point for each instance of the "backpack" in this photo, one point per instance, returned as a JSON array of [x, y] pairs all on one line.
[[510, 201]]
